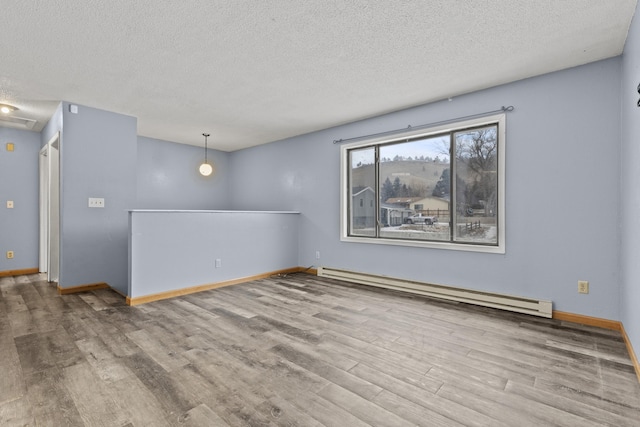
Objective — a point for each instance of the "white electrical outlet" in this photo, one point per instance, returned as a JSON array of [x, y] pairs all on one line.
[[218, 263], [583, 287], [317, 254], [96, 202]]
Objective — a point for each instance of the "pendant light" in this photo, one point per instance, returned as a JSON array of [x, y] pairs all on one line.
[[205, 168]]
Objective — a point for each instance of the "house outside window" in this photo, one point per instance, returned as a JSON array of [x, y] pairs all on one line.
[[449, 178]]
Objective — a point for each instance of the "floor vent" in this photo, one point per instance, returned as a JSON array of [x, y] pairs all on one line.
[[505, 302]]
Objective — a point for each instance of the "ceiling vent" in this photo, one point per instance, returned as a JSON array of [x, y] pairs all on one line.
[[17, 122]]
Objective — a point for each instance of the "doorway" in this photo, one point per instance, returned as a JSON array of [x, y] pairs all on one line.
[[50, 208]]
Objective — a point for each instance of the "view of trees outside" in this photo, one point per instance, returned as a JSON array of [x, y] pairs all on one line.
[[411, 170], [399, 178], [477, 185], [416, 177]]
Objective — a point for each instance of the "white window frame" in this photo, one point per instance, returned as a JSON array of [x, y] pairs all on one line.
[[499, 119]]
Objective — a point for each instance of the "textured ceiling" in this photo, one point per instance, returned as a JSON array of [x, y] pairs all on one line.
[[252, 72]]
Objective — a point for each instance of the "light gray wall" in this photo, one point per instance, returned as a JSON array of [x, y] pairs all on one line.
[[562, 162], [19, 181], [630, 186], [174, 250], [168, 177], [54, 125], [98, 159]]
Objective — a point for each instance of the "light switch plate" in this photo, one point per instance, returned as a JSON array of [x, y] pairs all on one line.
[[9, 204]]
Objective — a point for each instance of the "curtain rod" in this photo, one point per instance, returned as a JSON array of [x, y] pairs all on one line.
[[428, 125]]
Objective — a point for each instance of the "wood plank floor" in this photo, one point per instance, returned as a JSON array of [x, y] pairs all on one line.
[[300, 351]]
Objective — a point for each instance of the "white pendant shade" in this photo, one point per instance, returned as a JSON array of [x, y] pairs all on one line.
[[206, 169]]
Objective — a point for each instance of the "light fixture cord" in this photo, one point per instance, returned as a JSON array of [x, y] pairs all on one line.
[[206, 135]]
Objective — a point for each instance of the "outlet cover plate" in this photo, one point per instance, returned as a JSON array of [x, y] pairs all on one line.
[[583, 287], [96, 202]]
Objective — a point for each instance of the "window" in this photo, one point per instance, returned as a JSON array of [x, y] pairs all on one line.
[[440, 187]]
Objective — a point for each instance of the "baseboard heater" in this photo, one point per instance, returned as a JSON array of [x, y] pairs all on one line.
[[487, 299]]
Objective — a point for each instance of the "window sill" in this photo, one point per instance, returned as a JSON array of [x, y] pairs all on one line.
[[427, 244]]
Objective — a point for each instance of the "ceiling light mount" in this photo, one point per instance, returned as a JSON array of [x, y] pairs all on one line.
[[205, 168], [6, 108]]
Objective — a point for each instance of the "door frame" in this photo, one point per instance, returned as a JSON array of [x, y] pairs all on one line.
[[50, 208], [43, 264]]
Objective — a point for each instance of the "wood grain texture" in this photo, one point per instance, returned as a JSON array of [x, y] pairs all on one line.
[[588, 320], [298, 350], [24, 271], [82, 288], [632, 353], [201, 288]]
